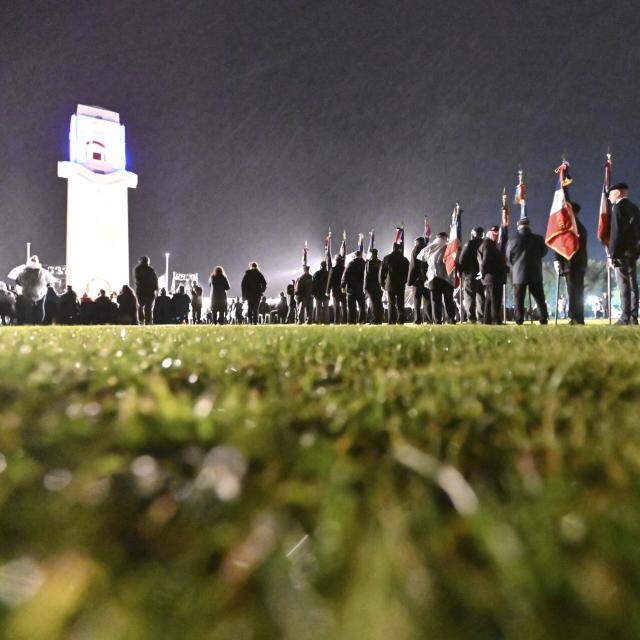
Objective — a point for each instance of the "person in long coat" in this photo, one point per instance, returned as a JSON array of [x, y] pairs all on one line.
[[525, 253], [624, 239], [219, 287], [253, 285], [127, 306], [146, 282], [492, 261], [353, 282]]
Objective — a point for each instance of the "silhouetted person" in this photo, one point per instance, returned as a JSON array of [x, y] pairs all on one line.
[[264, 311], [196, 302], [624, 241], [492, 261], [320, 284], [7, 305], [127, 306], [253, 285], [162, 308], [416, 279], [472, 289], [525, 253], [146, 284], [33, 279], [87, 310], [393, 277], [282, 308], [181, 302], [69, 307], [334, 287], [573, 271], [304, 296], [372, 286], [353, 283], [291, 297], [50, 306], [105, 311], [219, 287]]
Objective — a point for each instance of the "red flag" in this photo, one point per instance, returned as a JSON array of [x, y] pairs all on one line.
[[427, 229], [562, 230], [451, 252], [603, 216]]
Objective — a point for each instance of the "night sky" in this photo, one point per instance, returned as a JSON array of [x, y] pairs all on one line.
[[255, 125]]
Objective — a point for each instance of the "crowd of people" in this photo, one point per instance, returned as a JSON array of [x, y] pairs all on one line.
[[358, 290]]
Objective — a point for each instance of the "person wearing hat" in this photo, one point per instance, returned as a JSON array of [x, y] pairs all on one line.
[[304, 296], [573, 272], [393, 277], [473, 292], [146, 283], [353, 283], [524, 254], [493, 271], [372, 286], [624, 237]]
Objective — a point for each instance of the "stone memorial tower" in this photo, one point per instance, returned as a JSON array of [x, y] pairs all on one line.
[[97, 201]]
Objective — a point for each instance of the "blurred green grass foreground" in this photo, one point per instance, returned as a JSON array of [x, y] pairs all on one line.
[[239, 483]]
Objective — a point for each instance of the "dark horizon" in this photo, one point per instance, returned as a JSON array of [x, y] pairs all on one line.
[[253, 127]]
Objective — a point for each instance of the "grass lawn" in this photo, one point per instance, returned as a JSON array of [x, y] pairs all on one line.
[[308, 483]]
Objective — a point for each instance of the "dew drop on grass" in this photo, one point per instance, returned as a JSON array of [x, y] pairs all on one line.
[[20, 580], [3, 462], [57, 479], [166, 363], [193, 378]]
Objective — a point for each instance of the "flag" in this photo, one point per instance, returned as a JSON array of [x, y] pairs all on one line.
[[427, 229], [399, 237], [603, 216], [562, 230], [451, 252], [371, 243], [343, 245], [361, 243], [305, 254], [521, 196], [327, 250]]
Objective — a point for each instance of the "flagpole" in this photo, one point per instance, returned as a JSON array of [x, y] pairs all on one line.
[[609, 265], [502, 220]]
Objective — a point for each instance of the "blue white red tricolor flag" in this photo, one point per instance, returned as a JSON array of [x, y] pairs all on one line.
[[562, 230], [399, 237], [343, 245], [361, 243], [327, 250], [427, 229], [455, 235], [603, 215], [521, 196], [371, 242]]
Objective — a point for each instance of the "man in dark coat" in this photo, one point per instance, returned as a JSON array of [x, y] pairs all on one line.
[[146, 283], [472, 289], [50, 305], [624, 238], [304, 296], [372, 286], [282, 308], [162, 308], [573, 271], [69, 307], [334, 287], [105, 309], [492, 262], [181, 302], [320, 283], [353, 283], [525, 253], [393, 277], [291, 315], [196, 302], [416, 279], [253, 286]]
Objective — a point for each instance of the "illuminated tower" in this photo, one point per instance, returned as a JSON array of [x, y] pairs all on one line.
[[97, 202]]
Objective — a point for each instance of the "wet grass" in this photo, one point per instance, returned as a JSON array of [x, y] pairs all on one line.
[[339, 482]]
